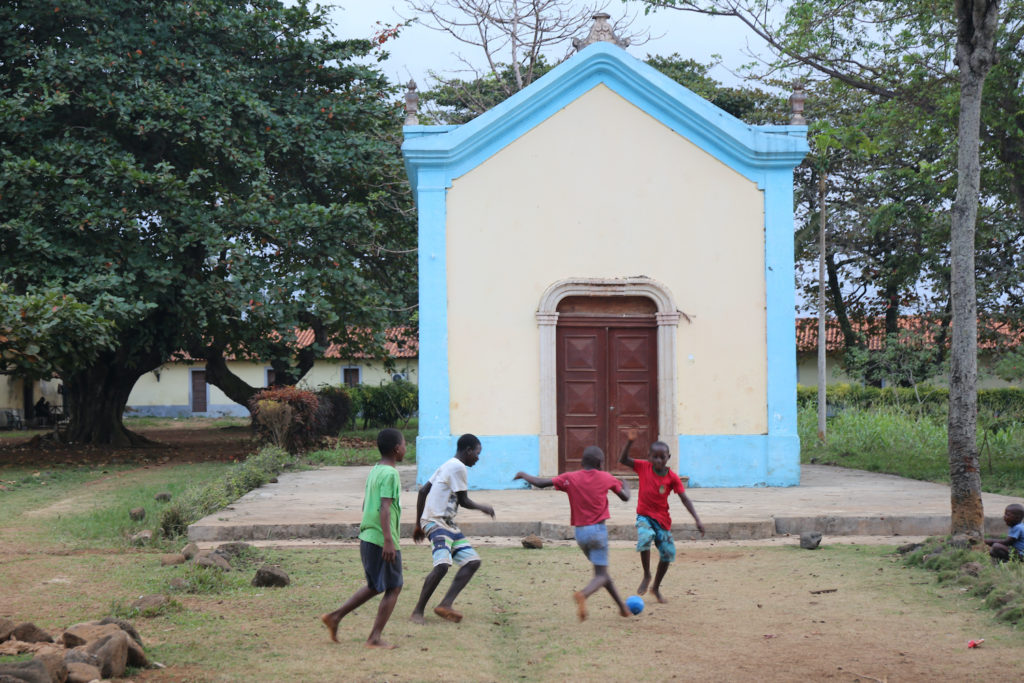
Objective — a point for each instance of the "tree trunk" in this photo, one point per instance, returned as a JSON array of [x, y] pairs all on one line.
[[822, 332], [976, 25], [219, 375], [97, 397]]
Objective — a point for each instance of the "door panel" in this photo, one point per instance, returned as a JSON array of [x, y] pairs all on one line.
[[607, 384], [582, 392], [633, 386]]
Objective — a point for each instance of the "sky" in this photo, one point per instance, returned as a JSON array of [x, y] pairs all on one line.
[[419, 49]]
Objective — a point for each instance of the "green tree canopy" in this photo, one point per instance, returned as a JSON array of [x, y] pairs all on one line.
[[211, 174]]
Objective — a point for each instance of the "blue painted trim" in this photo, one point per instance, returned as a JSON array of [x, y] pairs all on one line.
[[783, 453], [433, 307], [745, 460], [766, 155], [747, 149], [502, 456]]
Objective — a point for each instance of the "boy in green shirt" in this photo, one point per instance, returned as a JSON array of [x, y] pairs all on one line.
[[378, 549]]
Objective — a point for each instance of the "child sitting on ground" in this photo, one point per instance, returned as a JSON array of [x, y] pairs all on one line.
[[588, 505], [1011, 547], [653, 523]]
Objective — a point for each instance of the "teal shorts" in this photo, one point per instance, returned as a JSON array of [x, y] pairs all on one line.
[[649, 531]]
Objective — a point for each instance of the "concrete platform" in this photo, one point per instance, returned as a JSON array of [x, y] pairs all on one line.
[[327, 504]]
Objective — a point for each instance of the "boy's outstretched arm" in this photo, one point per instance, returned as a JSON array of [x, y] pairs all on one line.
[[688, 504], [623, 493], [1008, 541], [421, 500], [624, 459], [539, 482], [465, 502]]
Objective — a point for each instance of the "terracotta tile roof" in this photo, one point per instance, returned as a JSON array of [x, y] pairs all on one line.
[[874, 330], [401, 343]]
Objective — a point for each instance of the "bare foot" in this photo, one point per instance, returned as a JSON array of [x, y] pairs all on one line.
[[657, 593], [380, 645], [624, 611], [581, 605], [448, 613], [417, 618], [332, 626], [643, 585]]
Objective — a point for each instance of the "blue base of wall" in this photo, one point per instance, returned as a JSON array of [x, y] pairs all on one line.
[[709, 461], [500, 459], [213, 410], [745, 460]]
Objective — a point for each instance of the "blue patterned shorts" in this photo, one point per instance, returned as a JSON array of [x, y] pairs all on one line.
[[648, 531], [449, 545]]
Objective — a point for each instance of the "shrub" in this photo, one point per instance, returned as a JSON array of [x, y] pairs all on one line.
[[334, 409], [385, 405], [269, 417], [196, 503]]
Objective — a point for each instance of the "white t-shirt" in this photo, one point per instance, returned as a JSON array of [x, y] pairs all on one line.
[[442, 504]]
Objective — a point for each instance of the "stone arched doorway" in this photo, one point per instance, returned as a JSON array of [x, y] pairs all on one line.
[[635, 319]]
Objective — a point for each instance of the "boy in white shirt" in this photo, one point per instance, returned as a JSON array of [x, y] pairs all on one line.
[[436, 506]]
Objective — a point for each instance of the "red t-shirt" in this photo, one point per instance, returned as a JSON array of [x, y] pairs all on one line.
[[588, 494], [652, 501]]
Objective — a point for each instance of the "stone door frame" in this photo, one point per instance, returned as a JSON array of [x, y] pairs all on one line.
[[667, 318]]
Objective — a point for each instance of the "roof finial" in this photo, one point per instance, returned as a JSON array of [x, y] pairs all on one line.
[[796, 103], [412, 104], [601, 31]]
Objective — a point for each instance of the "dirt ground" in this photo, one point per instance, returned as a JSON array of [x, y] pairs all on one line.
[[177, 443], [739, 613]]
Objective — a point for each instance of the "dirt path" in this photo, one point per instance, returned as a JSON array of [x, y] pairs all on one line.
[[736, 611], [172, 444]]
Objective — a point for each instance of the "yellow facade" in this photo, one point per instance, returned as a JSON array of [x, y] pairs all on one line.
[[564, 178]]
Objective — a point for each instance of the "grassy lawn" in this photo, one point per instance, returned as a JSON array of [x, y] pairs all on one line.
[[911, 444], [359, 447]]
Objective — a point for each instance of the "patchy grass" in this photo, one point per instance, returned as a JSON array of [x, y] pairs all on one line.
[[911, 443], [87, 507], [359, 447], [240, 478], [1001, 586], [149, 422], [22, 433]]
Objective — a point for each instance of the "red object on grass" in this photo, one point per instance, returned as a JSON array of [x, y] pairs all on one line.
[[976, 643]]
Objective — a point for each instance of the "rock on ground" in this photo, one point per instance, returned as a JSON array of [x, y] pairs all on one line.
[[270, 575], [810, 540]]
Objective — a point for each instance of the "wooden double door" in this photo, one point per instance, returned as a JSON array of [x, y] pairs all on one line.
[[607, 383]]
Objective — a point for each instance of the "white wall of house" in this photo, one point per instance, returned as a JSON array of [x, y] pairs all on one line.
[[168, 391]]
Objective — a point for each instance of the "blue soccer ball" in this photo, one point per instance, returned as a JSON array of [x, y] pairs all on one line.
[[635, 604]]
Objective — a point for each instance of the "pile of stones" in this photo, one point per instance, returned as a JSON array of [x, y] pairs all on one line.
[[81, 653], [221, 557]]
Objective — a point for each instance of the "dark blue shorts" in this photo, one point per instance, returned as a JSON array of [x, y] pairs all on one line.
[[380, 575]]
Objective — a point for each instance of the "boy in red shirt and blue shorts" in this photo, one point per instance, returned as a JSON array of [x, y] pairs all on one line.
[[588, 505], [653, 523]]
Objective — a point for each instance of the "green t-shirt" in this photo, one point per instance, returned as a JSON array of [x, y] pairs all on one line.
[[383, 482]]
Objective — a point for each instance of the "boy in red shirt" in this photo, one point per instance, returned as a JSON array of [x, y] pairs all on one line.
[[653, 523], [588, 504]]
